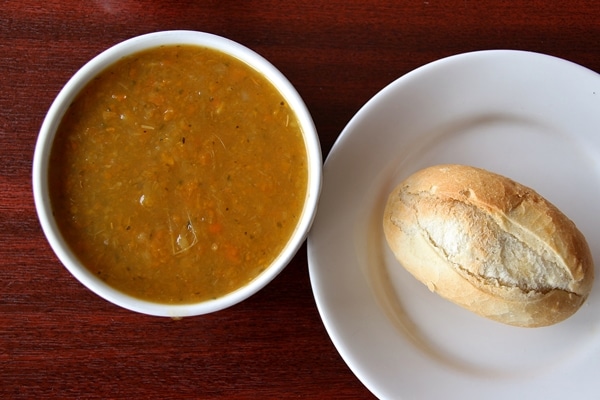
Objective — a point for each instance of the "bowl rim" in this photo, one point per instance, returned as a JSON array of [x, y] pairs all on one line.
[[72, 88]]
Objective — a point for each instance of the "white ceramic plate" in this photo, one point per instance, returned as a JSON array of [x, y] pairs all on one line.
[[531, 117]]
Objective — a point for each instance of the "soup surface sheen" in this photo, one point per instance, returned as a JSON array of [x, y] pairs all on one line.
[[178, 174]]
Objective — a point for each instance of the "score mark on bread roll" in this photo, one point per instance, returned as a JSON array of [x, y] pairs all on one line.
[[489, 244]]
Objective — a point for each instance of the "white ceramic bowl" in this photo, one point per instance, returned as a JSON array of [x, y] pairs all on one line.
[[70, 91]]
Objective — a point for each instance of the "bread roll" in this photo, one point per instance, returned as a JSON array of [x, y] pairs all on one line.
[[489, 244]]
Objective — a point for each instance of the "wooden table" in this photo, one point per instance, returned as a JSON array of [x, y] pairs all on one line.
[[58, 340]]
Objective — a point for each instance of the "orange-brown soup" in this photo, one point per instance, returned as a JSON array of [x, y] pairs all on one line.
[[178, 174]]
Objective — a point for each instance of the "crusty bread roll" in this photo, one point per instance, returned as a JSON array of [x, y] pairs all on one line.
[[489, 244]]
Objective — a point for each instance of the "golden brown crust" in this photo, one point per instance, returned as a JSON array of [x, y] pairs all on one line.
[[489, 244]]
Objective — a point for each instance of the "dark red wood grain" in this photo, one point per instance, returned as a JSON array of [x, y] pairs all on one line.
[[58, 340]]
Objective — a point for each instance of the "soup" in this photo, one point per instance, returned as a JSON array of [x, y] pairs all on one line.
[[178, 174]]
